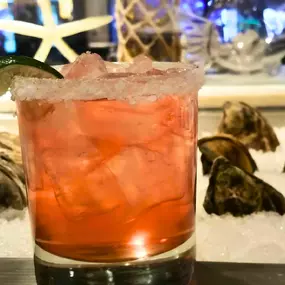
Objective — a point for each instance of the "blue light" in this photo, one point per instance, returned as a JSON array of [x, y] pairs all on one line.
[[274, 22], [229, 18], [197, 7], [10, 41], [54, 15], [153, 3], [185, 6], [199, 4]]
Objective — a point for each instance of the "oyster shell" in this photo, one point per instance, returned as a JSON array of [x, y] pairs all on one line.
[[228, 147], [12, 187], [231, 190], [12, 180], [249, 126], [10, 145]]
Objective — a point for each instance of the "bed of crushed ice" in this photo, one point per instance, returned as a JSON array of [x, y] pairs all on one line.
[[256, 238]]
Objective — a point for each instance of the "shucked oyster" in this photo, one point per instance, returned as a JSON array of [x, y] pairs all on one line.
[[231, 190], [228, 147], [249, 126]]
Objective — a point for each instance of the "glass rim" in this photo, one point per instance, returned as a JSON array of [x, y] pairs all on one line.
[[162, 65], [179, 78]]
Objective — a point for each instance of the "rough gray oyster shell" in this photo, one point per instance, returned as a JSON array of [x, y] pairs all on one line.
[[228, 147], [12, 181], [249, 126], [231, 190], [10, 144]]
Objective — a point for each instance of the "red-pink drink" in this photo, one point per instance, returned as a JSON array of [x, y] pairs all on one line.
[[110, 162]]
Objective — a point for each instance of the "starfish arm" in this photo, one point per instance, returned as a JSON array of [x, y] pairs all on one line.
[[22, 28], [44, 49], [65, 50], [45, 6], [79, 26]]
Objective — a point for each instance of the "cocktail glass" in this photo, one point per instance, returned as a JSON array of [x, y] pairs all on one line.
[[110, 164]]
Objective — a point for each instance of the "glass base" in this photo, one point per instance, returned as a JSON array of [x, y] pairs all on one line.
[[173, 268], [178, 271]]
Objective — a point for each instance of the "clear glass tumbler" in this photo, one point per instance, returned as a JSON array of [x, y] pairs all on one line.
[[110, 165]]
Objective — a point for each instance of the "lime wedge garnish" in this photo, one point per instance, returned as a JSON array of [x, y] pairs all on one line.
[[11, 66]]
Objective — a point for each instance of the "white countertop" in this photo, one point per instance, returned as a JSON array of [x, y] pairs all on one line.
[[259, 90]]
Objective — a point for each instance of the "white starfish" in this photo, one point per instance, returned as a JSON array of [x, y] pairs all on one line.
[[52, 34]]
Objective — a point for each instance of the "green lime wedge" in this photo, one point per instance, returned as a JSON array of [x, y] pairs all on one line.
[[11, 66]]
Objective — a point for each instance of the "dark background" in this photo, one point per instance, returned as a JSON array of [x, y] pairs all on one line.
[[89, 41]]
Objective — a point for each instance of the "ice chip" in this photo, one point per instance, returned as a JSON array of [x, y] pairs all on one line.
[[114, 67], [141, 64], [86, 65]]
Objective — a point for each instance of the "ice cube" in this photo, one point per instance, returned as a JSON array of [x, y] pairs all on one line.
[[82, 186], [180, 152], [114, 67], [120, 122], [141, 64], [148, 178], [65, 69], [58, 129], [34, 110], [86, 65]]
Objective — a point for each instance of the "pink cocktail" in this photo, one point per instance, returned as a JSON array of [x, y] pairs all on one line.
[[110, 159]]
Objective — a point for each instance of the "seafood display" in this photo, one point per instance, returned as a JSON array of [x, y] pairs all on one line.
[[231, 190], [228, 147], [249, 126], [12, 181]]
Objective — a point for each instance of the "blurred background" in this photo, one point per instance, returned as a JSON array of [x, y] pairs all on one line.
[[240, 42], [63, 11], [174, 26]]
